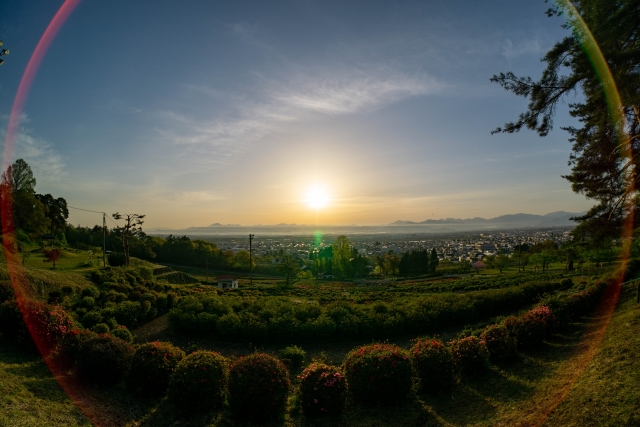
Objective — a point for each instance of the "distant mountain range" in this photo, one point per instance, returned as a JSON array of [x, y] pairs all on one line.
[[553, 219], [447, 225]]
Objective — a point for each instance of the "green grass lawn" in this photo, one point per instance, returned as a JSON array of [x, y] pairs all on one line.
[[30, 394], [70, 260]]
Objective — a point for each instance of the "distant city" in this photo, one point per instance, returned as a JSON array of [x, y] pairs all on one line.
[[454, 247]]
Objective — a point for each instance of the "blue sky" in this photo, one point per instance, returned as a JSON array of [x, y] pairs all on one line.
[[197, 112]]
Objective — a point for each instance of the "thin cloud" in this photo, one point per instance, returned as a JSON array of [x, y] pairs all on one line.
[[302, 98], [511, 50], [44, 160]]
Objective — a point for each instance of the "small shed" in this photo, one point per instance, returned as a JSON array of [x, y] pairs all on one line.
[[227, 282]]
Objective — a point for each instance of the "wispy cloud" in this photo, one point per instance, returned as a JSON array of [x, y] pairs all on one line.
[[40, 154], [511, 50], [307, 95]]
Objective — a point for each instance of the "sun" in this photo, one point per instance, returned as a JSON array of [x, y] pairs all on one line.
[[317, 197]]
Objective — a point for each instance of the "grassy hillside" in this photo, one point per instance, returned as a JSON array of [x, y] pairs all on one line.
[[586, 376], [39, 282]]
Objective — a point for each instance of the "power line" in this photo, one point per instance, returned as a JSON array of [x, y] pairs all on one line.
[[86, 210]]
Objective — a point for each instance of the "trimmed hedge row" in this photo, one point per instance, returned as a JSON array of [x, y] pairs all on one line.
[[281, 320], [256, 387]]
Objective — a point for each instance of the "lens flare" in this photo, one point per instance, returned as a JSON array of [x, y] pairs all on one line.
[[607, 305]]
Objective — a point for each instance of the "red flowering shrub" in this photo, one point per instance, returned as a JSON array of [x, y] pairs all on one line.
[[199, 382], [258, 387], [531, 327], [469, 355], [104, 359], [378, 373], [152, 366], [47, 324], [500, 344], [72, 340], [322, 389], [432, 365]]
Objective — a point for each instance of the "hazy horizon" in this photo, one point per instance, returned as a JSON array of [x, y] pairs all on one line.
[[297, 112]]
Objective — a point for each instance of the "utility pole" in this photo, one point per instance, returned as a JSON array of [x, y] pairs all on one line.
[[250, 261], [104, 240]]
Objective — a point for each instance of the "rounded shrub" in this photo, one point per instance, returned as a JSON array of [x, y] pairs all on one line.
[[199, 382], [530, 328], [47, 324], [122, 333], [432, 365], [501, 345], [469, 355], [91, 291], [91, 319], [258, 388], [101, 328], [72, 340], [372, 371], [104, 359], [152, 366], [322, 389], [293, 357]]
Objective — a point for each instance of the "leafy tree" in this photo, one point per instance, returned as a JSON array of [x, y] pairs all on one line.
[[17, 190], [56, 211], [342, 256], [501, 262], [490, 261], [52, 255], [3, 52], [478, 265], [289, 267], [132, 228], [242, 260], [391, 264], [433, 261], [601, 170]]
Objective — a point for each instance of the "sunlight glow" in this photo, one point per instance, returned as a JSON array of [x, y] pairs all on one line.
[[317, 197]]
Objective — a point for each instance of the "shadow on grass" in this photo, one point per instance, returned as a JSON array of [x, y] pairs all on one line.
[[165, 414]]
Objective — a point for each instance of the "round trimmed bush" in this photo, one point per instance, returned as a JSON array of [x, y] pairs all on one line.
[[72, 340], [530, 328], [47, 324], [91, 291], [322, 389], [500, 344], [101, 328], [469, 355], [258, 388], [152, 366], [199, 382], [91, 319], [104, 359], [432, 365], [373, 371], [293, 357], [123, 333]]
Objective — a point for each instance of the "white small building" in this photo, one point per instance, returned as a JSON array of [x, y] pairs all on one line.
[[227, 282]]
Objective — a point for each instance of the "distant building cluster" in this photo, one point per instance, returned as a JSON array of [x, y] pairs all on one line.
[[453, 249]]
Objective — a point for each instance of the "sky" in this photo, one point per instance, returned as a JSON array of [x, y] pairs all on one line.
[[201, 112]]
